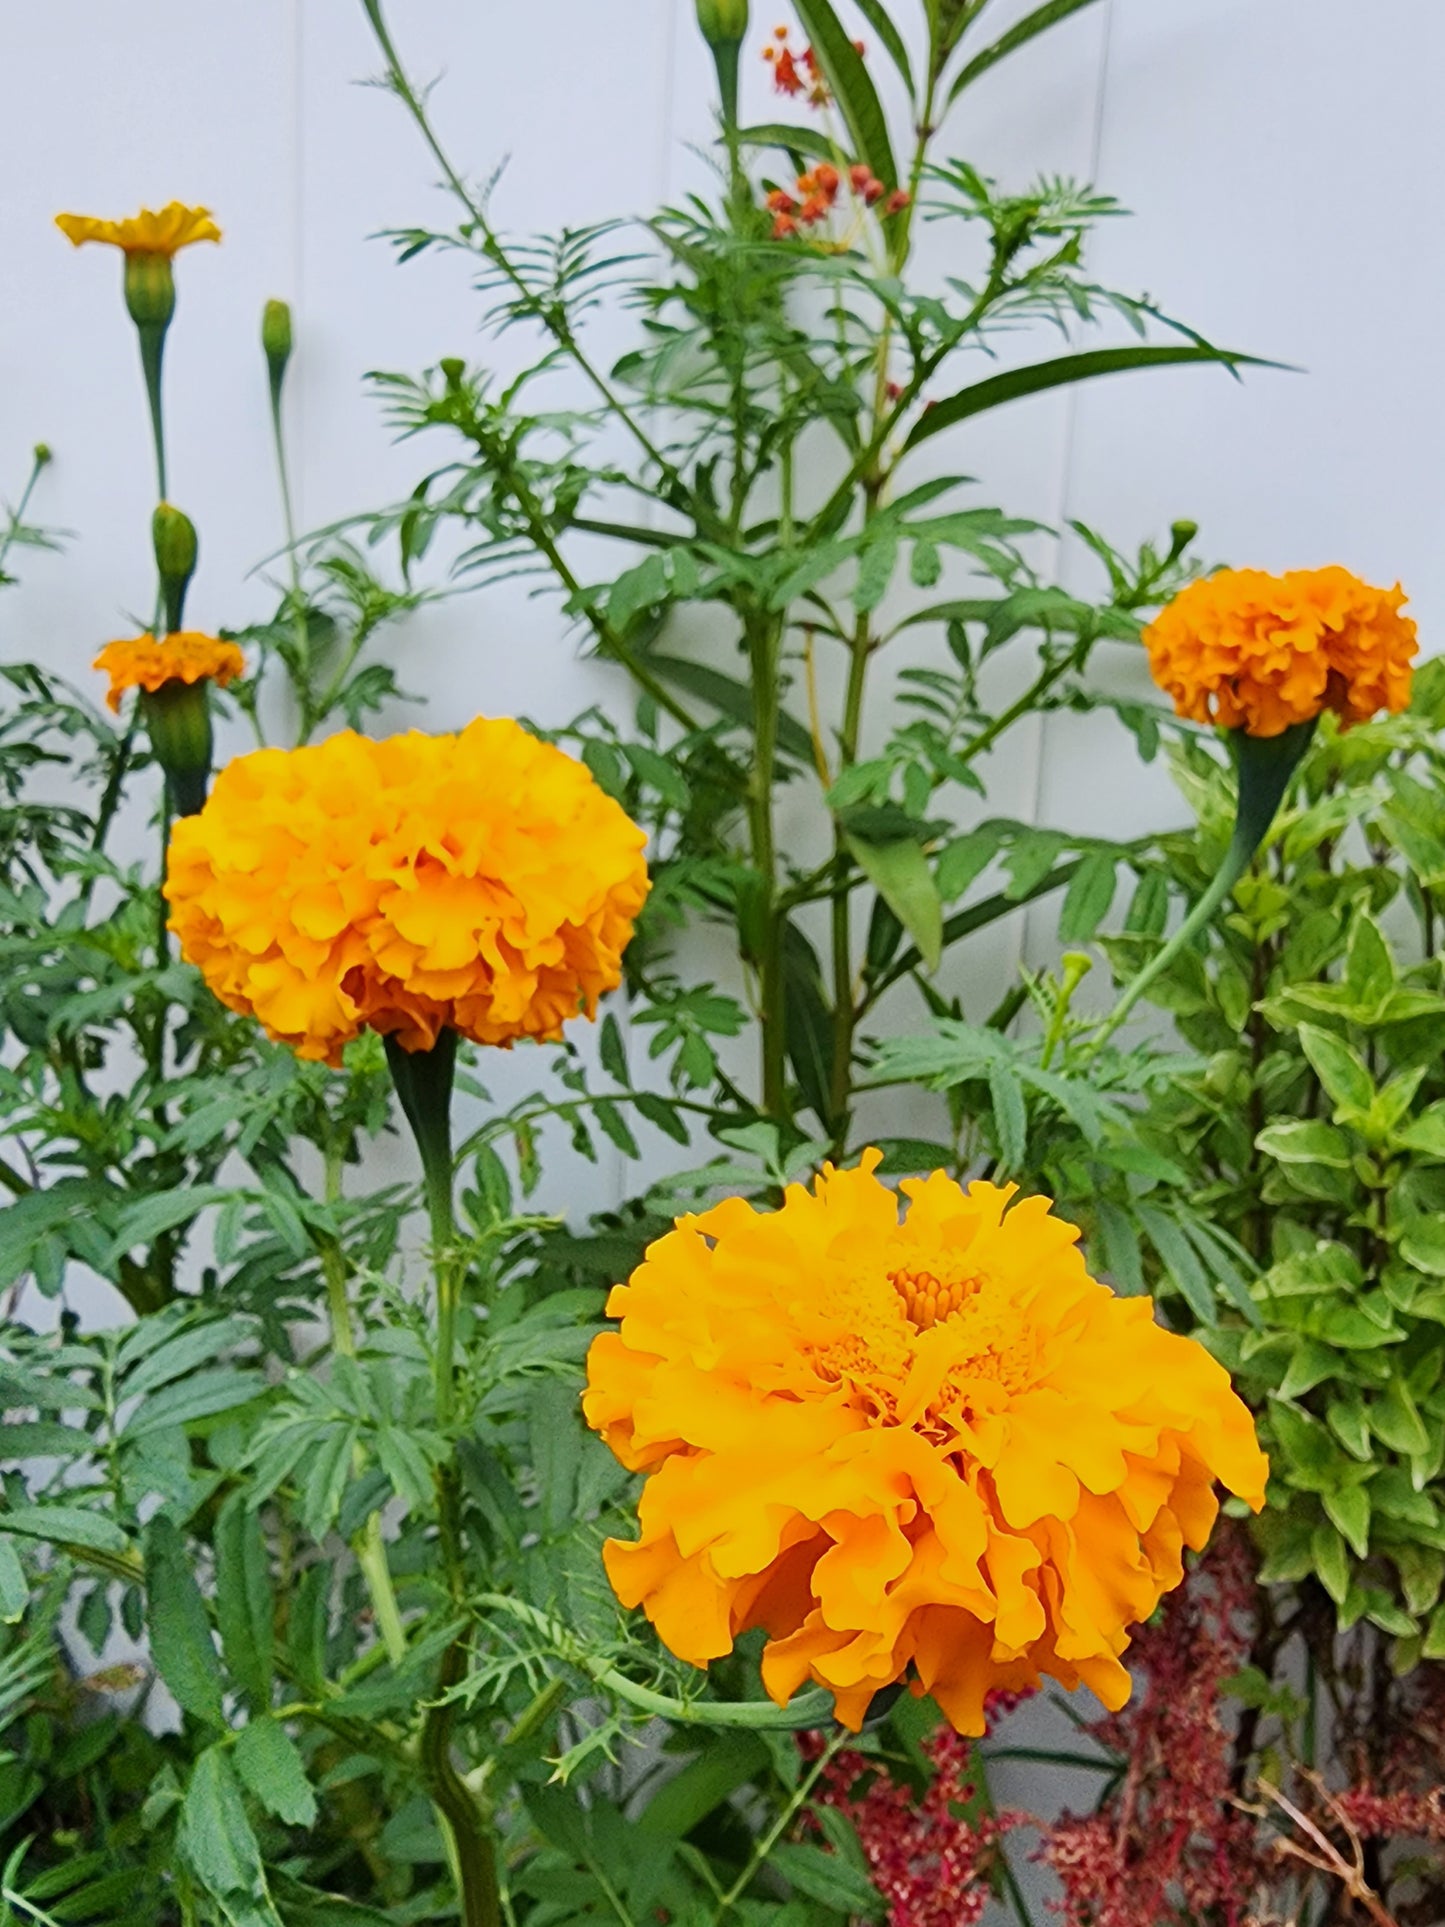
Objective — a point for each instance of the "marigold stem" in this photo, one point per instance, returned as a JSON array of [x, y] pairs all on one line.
[[423, 1081], [369, 1545], [1265, 765]]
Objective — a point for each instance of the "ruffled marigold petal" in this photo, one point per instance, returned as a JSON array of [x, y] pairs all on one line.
[[150, 662], [482, 882], [1259, 652], [166, 231], [936, 1447]]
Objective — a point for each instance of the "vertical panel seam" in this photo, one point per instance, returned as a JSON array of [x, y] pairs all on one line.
[[1069, 449]]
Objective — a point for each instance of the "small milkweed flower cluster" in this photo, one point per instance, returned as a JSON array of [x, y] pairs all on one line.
[[798, 74], [816, 194]]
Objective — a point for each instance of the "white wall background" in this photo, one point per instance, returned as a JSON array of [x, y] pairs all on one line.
[[1285, 159], [1282, 158]]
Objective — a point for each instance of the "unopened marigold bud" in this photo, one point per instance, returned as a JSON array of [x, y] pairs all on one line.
[[1181, 534], [723, 22], [173, 536], [150, 290], [42, 454], [724, 25], [453, 369], [276, 337], [178, 721]]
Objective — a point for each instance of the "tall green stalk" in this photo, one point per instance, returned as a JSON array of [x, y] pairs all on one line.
[[1265, 765], [423, 1081]]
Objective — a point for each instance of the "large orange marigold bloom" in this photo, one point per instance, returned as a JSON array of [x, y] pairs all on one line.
[[150, 662], [174, 227], [481, 881], [935, 1446], [1262, 652]]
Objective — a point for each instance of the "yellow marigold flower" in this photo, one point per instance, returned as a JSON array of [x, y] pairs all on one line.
[[1262, 652], [936, 1445], [146, 662], [481, 881], [176, 226]]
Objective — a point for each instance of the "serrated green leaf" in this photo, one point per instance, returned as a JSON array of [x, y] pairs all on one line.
[[65, 1525], [1180, 1260], [1122, 1256], [610, 1049], [203, 1395], [829, 1880], [245, 1606], [1010, 1115], [216, 1842], [1088, 898], [14, 1588], [180, 1632], [272, 1769], [554, 1429]]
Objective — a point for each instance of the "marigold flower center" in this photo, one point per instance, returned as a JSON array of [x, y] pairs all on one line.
[[930, 1297], [874, 1345]]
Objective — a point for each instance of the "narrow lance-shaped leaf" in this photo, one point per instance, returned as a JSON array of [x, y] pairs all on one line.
[[851, 84], [1062, 372], [881, 21], [1018, 35], [794, 140]]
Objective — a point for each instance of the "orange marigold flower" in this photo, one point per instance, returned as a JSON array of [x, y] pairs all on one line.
[[148, 662], [1263, 652], [174, 227], [936, 1445], [481, 881]]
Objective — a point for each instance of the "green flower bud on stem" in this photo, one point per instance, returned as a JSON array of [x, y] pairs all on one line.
[[173, 535], [276, 340], [178, 721], [150, 299], [1181, 534], [42, 454], [150, 290], [1265, 766], [722, 21], [724, 25]]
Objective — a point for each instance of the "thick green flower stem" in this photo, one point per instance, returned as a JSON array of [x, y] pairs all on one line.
[[369, 1545], [468, 1826], [1264, 765], [152, 349], [423, 1081], [301, 634]]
